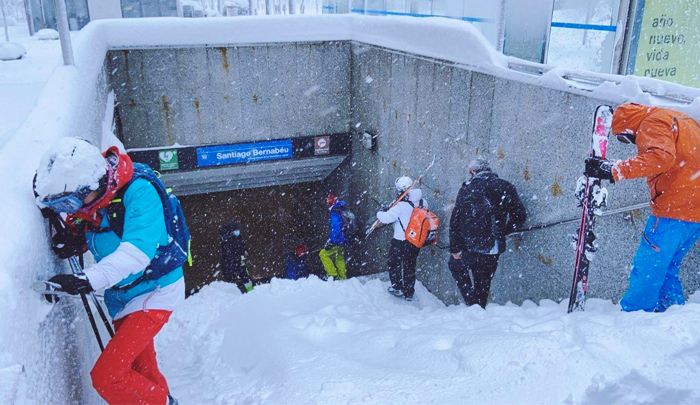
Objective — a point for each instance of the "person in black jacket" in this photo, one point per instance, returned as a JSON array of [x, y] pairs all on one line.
[[487, 209], [233, 257]]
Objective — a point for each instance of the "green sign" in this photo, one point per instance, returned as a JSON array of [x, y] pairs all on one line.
[[668, 46], [168, 159]]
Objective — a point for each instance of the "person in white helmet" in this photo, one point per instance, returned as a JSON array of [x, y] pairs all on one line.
[[402, 254], [119, 215]]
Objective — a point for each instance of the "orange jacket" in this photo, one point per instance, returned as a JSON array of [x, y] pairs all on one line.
[[668, 155]]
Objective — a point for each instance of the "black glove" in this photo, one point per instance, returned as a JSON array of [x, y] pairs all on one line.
[[599, 168], [72, 284], [384, 208], [66, 245]]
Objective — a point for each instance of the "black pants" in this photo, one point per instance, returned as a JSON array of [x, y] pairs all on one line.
[[483, 267], [237, 275], [402, 266]]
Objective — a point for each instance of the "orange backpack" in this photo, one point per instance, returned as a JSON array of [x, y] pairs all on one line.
[[422, 227]]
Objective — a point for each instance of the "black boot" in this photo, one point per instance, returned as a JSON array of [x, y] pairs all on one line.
[[171, 400]]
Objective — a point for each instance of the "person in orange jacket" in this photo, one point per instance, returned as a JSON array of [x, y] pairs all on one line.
[[668, 155]]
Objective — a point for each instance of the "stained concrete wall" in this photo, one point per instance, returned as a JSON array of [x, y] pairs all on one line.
[[534, 137], [200, 96]]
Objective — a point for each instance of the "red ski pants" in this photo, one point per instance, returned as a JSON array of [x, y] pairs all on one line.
[[127, 370]]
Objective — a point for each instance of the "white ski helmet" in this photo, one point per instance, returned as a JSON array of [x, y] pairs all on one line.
[[70, 165], [402, 183]]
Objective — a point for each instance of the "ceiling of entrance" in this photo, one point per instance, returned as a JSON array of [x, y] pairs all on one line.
[[251, 176]]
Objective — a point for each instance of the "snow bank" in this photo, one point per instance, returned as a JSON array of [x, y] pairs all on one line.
[[69, 104], [309, 341], [11, 50], [47, 34]]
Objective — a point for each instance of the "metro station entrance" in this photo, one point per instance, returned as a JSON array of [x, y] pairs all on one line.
[[273, 221]]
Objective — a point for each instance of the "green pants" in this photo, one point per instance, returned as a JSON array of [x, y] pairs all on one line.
[[337, 270]]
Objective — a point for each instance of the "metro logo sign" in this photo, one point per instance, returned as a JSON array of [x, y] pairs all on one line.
[[322, 145]]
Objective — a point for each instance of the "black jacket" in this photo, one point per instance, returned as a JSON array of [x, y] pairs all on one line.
[[487, 209], [232, 248]]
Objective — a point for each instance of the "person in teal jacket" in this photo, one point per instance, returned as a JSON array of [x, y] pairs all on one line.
[[74, 178]]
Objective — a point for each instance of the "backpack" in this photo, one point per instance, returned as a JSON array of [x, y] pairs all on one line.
[[177, 252], [421, 230], [349, 223], [477, 226]]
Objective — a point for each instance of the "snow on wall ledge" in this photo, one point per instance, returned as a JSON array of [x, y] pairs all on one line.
[[445, 39], [436, 38]]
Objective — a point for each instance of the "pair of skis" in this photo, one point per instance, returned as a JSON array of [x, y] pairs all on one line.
[[401, 196], [592, 197]]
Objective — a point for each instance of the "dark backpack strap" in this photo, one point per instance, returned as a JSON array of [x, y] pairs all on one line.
[[412, 206], [116, 212]]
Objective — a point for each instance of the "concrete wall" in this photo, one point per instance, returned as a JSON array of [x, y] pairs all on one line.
[[200, 96], [534, 137]]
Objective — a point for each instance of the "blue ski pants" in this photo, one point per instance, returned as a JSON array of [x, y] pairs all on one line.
[[654, 284]]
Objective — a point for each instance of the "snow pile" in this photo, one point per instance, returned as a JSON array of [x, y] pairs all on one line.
[[47, 34], [434, 37], [11, 50], [309, 341], [210, 12], [70, 103]]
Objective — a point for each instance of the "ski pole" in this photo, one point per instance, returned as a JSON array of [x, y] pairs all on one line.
[[566, 221], [399, 198], [60, 226], [93, 323], [48, 288], [77, 269]]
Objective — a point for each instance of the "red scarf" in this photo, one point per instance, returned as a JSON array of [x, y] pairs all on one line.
[[118, 177]]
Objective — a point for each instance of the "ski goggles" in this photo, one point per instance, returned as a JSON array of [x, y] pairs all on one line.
[[626, 138], [67, 202]]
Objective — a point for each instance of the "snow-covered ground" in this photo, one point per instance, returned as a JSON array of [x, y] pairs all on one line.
[[21, 81], [350, 342]]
